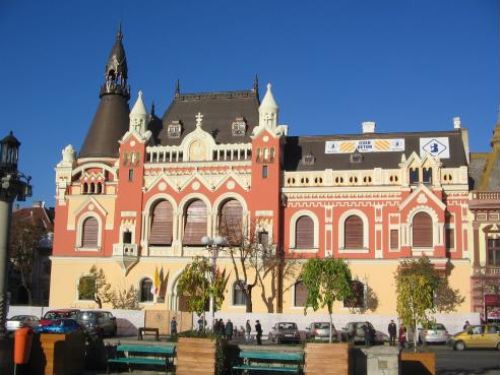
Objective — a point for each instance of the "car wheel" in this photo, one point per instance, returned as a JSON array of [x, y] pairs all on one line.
[[460, 346]]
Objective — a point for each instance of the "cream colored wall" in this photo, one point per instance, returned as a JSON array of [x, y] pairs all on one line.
[[76, 202], [377, 275]]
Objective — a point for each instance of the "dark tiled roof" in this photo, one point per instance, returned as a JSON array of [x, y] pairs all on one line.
[[296, 147], [476, 169], [110, 123], [37, 215], [219, 110]]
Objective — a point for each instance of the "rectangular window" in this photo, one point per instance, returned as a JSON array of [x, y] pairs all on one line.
[[263, 238], [300, 294], [450, 238], [494, 252], [427, 175], [265, 171], [413, 175], [131, 175], [394, 245]]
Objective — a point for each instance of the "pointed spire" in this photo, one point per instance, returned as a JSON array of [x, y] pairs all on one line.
[[268, 110], [116, 71], [139, 107], [256, 83], [139, 115], [177, 88], [268, 101], [153, 109]]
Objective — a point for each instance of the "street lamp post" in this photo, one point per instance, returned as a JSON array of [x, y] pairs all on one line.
[[213, 245], [13, 185]]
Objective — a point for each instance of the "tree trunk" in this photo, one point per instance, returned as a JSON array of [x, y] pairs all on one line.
[[248, 299], [331, 325], [27, 288]]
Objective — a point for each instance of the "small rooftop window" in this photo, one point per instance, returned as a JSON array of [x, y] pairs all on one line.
[[174, 129], [356, 157], [239, 127], [308, 159]]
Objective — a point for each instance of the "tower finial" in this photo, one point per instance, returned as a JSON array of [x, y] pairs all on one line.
[[177, 87], [256, 83], [153, 108], [119, 34]]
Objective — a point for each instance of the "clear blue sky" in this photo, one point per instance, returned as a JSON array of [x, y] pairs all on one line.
[[406, 64]]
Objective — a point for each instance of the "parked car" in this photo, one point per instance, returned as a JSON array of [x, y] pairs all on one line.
[[436, 333], [479, 336], [59, 326], [58, 314], [320, 331], [355, 332], [284, 332], [99, 322], [19, 321]]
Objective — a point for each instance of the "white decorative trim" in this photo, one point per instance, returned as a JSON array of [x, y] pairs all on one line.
[[293, 225], [269, 213], [341, 226], [79, 232], [437, 228], [128, 214], [146, 218], [422, 189], [91, 165]]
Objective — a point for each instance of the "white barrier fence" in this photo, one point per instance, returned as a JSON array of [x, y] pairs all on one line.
[[130, 320]]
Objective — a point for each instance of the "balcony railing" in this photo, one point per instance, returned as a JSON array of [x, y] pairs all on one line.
[[486, 195], [125, 249]]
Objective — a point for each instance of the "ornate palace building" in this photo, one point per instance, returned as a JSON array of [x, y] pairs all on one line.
[[143, 191]]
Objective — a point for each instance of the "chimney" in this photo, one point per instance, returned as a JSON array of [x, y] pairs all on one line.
[[368, 127], [457, 123]]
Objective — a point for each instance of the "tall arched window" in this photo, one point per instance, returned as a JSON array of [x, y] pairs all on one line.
[[239, 298], [90, 232], [422, 230], [231, 221], [146, 290], [161, 224], [304, 233], [353, 232], [300, 294], [195, 223]]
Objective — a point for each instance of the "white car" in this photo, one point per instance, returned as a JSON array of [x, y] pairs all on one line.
[[19, 321], [435, 334]]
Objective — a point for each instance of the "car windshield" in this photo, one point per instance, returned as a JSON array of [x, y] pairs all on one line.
[[287, 326], [87, 316], [322, 325], [438, 327], [59, 314]]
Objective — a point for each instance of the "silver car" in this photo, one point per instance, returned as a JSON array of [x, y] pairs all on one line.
[[19, 321], [435, 334], [320, 331]]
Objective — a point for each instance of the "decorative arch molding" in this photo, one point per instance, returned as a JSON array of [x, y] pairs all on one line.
[[218, 204], [173, 303], [293, 226], [202, 140], [341, 234], [102, 166], [437, 227], [146, 216], [79, 231]]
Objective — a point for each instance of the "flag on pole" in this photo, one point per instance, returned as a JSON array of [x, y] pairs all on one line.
[[156, 282]]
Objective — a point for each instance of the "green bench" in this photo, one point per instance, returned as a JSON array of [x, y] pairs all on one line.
[[269, 362], [133, 354]]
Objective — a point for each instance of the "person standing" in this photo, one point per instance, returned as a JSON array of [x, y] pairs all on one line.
[[392, 329], [248, 332], [366, 331], [466, 325], [229, 330], [258, 329], [173, 327], [222, 328], [402, 336]]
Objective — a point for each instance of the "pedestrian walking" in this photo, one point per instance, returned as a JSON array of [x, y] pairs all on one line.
[[466, 325], [201, 323], [402, 336], [392, 329], [229, 330], [173, 327], [258, 330], [248, 332], [366, 330]]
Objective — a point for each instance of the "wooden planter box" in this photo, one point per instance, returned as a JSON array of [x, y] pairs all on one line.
[[327, 359], [423, 363], [54, 353], [196, 356]]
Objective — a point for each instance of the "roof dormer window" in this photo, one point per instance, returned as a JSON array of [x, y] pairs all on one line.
[[239, 127], [174, 129], [356, 157], [308, 159]]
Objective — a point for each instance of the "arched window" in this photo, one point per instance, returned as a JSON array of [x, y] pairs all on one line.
[[422, 230], [358, 295], [353, 232], [300, 294], [161, 232], [231, 221], [239, 298], [90, 232], [146, 290], [195, 223], [85, 188], [86, 288], [304, 233]]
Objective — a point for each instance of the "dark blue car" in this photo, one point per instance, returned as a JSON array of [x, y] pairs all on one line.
[[60, 326]]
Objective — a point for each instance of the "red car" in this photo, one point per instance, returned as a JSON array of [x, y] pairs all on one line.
[[52, 315]]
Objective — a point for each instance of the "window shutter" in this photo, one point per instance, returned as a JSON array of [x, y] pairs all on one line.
[[231, 221], [90, 231], [195, 223], [300, 294], [162, 224], [353, 232], [450, 238], [422, 230], [304, 233], [394, 239]]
